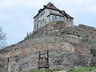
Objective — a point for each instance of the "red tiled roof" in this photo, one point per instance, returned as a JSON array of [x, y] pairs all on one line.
[[50, 5], [65, 14]]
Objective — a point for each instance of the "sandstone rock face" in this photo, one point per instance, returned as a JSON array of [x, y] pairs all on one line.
[[25, 64], [63, 59], [3, 64], [67, 47], [57, 59]]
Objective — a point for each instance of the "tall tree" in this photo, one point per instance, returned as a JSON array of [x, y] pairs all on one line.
[[2, 38]]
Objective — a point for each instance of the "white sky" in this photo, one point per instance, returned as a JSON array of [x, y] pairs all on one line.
[[16, 16]]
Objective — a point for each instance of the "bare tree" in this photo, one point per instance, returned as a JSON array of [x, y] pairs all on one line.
[[2, 39]]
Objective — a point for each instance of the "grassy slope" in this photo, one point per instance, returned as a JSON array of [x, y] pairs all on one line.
[[82, 69], [46, 70], [70, 70]]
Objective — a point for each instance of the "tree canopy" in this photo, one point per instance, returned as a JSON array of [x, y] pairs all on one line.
[[2, 38]]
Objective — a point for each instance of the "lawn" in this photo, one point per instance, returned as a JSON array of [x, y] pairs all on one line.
[[46, 70], [70, 70]]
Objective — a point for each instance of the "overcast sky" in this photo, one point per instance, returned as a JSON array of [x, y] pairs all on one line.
[[16, 16]]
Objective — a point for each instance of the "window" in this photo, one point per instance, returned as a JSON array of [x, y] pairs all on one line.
[[37, 26], [42, 13], [43, 20], [40, 23], [51, 5], [54, 18], [70, 19], [50, 11], [67, 19], [61, 18]]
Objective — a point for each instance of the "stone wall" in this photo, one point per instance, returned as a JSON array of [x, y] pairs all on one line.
[[58, 28], [50, 29]]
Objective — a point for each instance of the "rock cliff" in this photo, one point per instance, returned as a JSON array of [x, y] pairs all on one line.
[[61, 46]]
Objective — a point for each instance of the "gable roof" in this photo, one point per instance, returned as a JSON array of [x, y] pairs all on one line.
[[50, 5], [53, 7], [65, 14]]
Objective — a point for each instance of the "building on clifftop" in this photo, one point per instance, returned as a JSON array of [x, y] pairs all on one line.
[[50, 13]]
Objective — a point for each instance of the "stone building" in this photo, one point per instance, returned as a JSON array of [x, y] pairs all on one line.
[[50, 13]]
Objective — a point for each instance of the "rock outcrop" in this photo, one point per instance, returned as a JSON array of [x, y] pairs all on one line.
[[67, 47]]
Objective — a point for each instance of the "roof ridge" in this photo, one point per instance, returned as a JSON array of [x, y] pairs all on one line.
[[51, 5]]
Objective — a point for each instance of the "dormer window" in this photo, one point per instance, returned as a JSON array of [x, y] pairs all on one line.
[[51, 4]]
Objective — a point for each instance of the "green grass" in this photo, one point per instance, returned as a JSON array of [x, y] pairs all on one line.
[[46, 70], [82, 69], [70, 70]]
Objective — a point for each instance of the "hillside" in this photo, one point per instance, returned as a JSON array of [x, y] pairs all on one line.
[[67, 47]]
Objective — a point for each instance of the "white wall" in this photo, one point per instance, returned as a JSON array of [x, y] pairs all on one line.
[[43, 20]]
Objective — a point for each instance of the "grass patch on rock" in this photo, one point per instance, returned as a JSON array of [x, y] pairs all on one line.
[[46, 70], [82, 69], [70, 70]]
